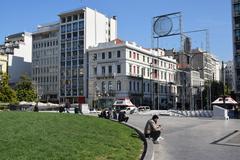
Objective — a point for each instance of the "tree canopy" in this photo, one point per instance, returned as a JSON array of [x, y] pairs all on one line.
[[25, 90], [7, 94]]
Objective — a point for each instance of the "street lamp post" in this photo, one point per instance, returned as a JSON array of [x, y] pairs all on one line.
[[37, 68], [171, 94], [151, 88]]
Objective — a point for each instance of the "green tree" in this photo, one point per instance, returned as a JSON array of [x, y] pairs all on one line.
[[25, 90], [215, 91], [7, 94]]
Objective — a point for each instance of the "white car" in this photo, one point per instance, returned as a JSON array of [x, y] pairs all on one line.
[[131, 110]]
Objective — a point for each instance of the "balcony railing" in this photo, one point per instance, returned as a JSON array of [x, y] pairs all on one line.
[[135, 75], [109, 75]]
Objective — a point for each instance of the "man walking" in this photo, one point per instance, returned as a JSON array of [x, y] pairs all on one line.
[[153, 130]]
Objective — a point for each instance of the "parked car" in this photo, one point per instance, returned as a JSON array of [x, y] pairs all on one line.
[[143, 108]]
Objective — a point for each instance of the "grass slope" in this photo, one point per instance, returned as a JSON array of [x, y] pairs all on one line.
[[29, 136]]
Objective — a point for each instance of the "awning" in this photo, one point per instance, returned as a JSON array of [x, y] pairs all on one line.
[[228, 100]]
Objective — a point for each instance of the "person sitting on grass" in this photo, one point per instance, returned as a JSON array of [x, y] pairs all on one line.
[[153, 130]]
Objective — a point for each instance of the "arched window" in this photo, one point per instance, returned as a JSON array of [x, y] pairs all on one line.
[[118, 85]]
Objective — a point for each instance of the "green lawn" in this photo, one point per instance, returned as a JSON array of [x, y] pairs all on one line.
[[29, 136]]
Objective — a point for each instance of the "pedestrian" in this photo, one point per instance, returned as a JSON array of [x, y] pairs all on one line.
[[109, 116], [35, 109], [153, 129], [114, 114], [67, 106], [122, 116]]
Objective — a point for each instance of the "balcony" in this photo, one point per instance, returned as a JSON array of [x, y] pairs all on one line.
[[105, 76], [135, 75]]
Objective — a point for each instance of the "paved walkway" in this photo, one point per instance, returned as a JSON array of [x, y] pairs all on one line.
[[192, 138]]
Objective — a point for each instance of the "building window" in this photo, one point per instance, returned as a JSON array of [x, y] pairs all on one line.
[[109, 55], [103, 70], [103, 86], [95, 57], [134, 55], [118, 68], [236, 9], [137, 56], [69, 28], [95, 71], [81, 25], [75, 26], [138, 70], [110, 69], [138, 86], [148, 87], [143, 58], [75, 17], [118, 85], [143, 71], [118, 54], [81, 15], [103, 55], [130, 68], [110, 86], [69, 18], [69, 36], [63, 20], [63, 28], [130, 54], [130, 85]]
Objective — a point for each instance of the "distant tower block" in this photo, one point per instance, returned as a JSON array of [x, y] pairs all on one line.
[[187, 45]]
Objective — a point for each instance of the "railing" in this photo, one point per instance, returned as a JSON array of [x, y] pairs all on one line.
[[110, 75]]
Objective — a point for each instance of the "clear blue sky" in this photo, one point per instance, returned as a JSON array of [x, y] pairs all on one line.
[[134, 18]]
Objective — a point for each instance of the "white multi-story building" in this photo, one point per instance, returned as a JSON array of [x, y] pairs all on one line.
[[80, 29], [45, 61], [229, 75], [20, 58], [121, 69]]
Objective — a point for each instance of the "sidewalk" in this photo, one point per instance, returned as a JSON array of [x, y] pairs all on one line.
[[191, 138]]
